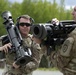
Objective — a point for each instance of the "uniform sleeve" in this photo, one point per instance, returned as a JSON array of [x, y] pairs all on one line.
[[61, 57], [36, 56], [67, 47], [1, 39], [0, 44]]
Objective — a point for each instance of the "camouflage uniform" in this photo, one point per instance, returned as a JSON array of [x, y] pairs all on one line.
[[65, 58], [29, 67]]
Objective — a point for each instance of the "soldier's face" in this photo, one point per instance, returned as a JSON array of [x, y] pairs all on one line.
[[74, 13], [24, 26]]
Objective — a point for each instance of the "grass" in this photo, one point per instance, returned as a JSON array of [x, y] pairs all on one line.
[[48, 69]]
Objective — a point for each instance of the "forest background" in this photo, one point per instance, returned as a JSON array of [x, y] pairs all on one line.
[[41, 11]]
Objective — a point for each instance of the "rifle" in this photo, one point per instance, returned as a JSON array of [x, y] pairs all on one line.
[[23, 55], [53, 35]]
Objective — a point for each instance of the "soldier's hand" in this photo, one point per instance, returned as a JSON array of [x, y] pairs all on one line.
[[6, 47], [55, 21], [15, 66]]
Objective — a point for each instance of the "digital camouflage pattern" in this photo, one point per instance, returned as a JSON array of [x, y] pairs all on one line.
[[65, 58], [29, 67]]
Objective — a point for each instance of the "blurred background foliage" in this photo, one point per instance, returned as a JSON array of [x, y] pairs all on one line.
[[39, 10]]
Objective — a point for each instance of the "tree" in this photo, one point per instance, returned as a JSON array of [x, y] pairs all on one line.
[[4, 5]]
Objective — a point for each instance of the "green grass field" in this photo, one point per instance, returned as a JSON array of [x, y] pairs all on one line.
[[49, 69]]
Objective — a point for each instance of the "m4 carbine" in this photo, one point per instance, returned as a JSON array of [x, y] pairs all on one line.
[[23, 55], [51, 34]]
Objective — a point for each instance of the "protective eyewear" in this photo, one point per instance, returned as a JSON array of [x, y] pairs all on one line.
[[25, 24]]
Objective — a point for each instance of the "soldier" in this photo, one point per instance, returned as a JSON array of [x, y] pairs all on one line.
[[23, 23], [65, 58]]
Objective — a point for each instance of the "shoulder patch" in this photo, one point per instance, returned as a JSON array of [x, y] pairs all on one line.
[[66, 47]]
